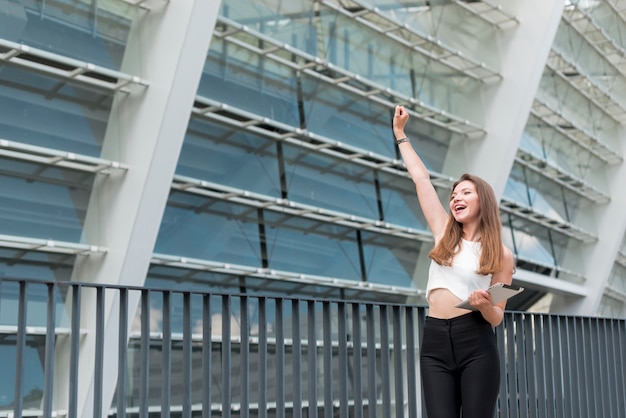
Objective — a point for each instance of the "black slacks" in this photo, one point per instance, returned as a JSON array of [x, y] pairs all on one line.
[[460, 367]]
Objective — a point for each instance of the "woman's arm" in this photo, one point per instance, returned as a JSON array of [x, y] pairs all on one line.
[[481, 299], [433, 210]]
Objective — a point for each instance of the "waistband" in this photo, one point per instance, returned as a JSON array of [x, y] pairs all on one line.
[[474, 317]]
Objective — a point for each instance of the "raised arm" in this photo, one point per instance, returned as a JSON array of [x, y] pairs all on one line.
[[435, 214]]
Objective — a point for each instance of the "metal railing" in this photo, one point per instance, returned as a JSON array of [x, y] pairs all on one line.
[[240, 355]]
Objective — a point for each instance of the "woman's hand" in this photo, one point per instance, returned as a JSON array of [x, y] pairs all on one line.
[[480, 299], [400, 118]]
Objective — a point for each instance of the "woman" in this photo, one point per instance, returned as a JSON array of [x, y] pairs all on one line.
[[459, 357]]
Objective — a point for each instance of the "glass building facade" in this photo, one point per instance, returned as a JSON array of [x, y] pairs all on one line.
[[246, 146]]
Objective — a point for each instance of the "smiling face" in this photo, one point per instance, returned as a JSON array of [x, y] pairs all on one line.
[[464, 202]]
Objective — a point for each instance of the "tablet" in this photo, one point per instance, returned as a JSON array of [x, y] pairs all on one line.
[[499, 292]]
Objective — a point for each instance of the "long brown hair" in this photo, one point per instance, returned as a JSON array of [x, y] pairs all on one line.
[[489, 228]]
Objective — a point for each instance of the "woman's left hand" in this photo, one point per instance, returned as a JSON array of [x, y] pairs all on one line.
[[480, 299]]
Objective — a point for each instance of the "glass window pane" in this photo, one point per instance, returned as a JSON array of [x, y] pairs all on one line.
[[257, 84], [330, 183], [230, 157], [43, 202], [42, 111], [391, 261], [89, 30], [197, 227], [310, 247]]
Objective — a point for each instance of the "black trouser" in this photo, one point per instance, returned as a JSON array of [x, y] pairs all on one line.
[[460, 367]]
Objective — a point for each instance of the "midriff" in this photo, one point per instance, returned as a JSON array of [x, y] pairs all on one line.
[[441, 304]]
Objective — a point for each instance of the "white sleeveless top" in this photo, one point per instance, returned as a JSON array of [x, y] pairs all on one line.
[[461, 278]]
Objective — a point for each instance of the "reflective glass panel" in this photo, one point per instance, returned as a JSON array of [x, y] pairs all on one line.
[[43, 202], [236, 76], [230, 157], [90, 30], [197, 227], [391, 261], [311, 247], [330, 183], [51, 113]]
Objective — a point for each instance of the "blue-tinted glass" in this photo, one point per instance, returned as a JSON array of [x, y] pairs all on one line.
[[237, 159], [532, 241], [516, 190], [309, 247], [259, 85], [353, 120], [330, 183], [390, 261], [32, 377], [197, 227], [41, 210], [42, 111], [399, 202], [89, 31], [36, 294]]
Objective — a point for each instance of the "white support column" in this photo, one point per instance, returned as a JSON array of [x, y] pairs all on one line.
[[167, 46], [524, 52]]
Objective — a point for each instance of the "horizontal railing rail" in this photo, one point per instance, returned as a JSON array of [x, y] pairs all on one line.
[[81, 349]]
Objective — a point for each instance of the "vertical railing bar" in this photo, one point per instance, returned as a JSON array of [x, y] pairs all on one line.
[[512, 365], [411, 363], [557, 359], [588, 370], [226, 357], [522, 375], [575, 365], [122, 354], [20, 344], [74, 351], [601, 356], [144, 372], [421, 318], [397, 360], [357, 357], [384, 361], [280, 360], [187, 358], [540, 365], [548, 331], [599, 389], [262, 357], [342, 360], [371, 361], [529, 355], [207, 352], [581, 367], [99, 353], [621, 350], [296, 359], [48, 388], [312, 360], [328, 360], [610, 363], [166, 355], [569, 369], [245, 358]]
